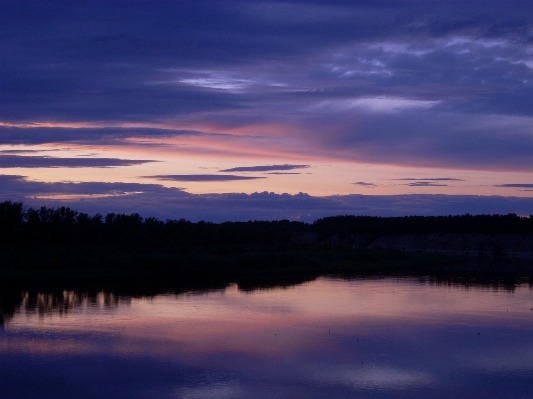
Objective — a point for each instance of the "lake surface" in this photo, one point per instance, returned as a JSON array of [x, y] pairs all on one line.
[[328, 338]]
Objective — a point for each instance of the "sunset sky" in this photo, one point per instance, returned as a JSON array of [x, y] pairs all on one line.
[[238, 110]]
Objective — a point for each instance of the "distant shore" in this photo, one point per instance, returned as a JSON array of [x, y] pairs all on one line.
[[62, 248], [491, 246], [117, 268]]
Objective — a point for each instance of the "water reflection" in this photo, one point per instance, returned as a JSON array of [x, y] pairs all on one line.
[[61, 303], [327, 338], [66, 301]]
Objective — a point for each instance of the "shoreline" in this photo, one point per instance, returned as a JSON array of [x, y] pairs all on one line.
[[130, 273], [111, 267]]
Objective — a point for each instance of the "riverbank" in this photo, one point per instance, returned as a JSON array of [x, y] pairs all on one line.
[[491, 246], [62, 248], [128, 272], [116, 267]]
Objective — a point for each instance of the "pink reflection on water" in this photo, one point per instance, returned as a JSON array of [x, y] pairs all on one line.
[[267, 322]]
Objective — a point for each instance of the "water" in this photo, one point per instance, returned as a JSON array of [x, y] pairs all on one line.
[[325, 339]]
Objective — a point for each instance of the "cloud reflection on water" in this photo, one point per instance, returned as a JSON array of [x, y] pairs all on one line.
[[374, 377], [325, 338]]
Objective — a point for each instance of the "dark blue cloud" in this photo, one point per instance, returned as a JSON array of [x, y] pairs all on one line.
[[72, 60], [285, 173], [288, 62], [39, 135], [174, 203], [432, 179], [364, 184], [203, 177], [14, 152], [426, 184], [428, 138], [264, 168], [16, 186], [516, 185], [20, 161]]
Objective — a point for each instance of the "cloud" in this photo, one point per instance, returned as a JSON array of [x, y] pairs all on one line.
[[373, 104], [375, 377], [284, 173], [431, 179], [19, 186], [199, 178], [18, 161], [217, 81], [35, 134], [448, 85], [174, 203], [426, 184], [264, 168], [457, 140], [364, 184], [515, 185], [25, 151]]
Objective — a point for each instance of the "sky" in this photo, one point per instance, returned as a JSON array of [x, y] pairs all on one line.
[[245, 110]]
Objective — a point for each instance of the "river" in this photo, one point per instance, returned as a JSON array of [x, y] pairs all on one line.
[[329, 338]]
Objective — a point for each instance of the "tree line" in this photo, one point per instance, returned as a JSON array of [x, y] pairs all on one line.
[[62, 226], [65, 227]]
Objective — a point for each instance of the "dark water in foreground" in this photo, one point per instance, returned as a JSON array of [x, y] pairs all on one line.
[[324, 339]]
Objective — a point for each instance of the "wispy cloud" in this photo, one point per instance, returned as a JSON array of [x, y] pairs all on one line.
[[89, 135], [264, 168], [364, 184], [426, 184], [374, 104], [200, 178], [515, 185], [344, 83], [284, 173], [218, 83], [430, 179], [174, 203], [19, 161], [25, 151]]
